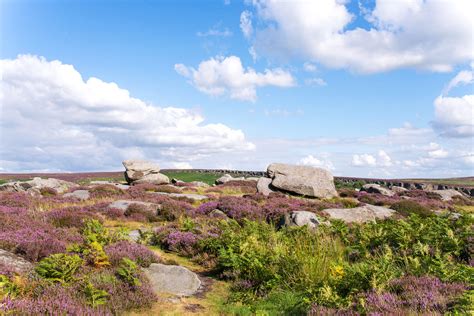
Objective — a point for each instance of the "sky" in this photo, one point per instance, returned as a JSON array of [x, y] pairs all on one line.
[[367, 88]]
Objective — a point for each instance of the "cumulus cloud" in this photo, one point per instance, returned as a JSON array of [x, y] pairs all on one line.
[[53, 118], [316, 82], [219, 76], [400, 34], [312, 161], [309, 67], [454, 116], [367, 160]]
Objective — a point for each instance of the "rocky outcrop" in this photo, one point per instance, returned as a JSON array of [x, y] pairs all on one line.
[[304, 180], [34, 186], [300, 218], [124, 204], [227, 177], [140, 171], [14, 263], [171, 279], [264, 186], [398, 189], [361, 214], [447, 195], [376, 188]]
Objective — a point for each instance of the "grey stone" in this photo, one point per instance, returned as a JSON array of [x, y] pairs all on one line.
[[79, 194], [134, 235], [172, 279], [398, 189], [376, 188], [361, 214], [218, 213], [301, 218], [447, 195], [304, 180], [15, 263], [33, 186], [153, 178], [226, 178], [192, 196], [263, 186], [124, 204], [200, 184], [137, 169]]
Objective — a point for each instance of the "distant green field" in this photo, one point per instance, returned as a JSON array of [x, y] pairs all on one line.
[[469, 181], [209, 178]]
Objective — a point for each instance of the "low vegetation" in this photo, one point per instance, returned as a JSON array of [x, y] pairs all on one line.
[[86, 263]]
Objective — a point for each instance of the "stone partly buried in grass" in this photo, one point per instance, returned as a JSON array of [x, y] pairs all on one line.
[[171, 279], [362, 214], [304, 180]]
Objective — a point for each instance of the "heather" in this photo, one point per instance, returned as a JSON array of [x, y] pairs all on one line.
[[416, 262]]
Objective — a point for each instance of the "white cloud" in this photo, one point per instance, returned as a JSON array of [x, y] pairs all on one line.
[[53, 118], [438, 153], [312, 161], [246, 23], [316, 82], [181, 165], [214, 31], [454, 116], [309, 67], [219, 76], [384, 159], [364, 160], [401, 34]]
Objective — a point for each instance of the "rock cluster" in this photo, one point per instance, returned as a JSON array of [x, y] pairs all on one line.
[[34, 186], [303, 180], [140, 171]]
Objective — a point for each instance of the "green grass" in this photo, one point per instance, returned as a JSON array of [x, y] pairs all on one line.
[[208, 178], [468, 181]]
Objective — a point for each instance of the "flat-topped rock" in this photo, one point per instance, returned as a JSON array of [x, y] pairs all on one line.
[[153, 178], [300, 218], [377, 188], [304, 180], [139, 169], [361, 214], [447, 195], [14, 263], [171, 279], [79, 194]]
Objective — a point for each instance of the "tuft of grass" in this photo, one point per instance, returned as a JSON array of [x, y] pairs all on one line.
[[209, 178]]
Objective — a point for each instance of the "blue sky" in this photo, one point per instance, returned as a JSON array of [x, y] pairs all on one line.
[[347, 86]]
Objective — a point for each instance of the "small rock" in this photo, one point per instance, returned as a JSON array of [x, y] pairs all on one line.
[[134, 235], [376, 188], [192, 196], [398, 189], [15, 263], [79, 194], [361, 214], [217, 213], [227, 177], [200, 184], [124, 204], [176, 280], [300, 218]]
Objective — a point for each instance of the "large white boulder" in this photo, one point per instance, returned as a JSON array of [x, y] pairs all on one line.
[[447, 195], [153, 178], [304, 180]]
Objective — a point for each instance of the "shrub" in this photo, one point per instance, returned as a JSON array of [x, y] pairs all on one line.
[[95, 297], [15, 199], [128, 272], [141, 212], [168, 189], [171, 210], [239, 208], [138, 253], [106, 191], [59, 267], [70, 217], [408, 207]]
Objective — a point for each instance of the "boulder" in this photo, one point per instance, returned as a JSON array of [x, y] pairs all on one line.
[[79, 194], [200, 184], [172, 279], [192, 196], [124, 204], [300, 218], [447, 195], [263, 186], [14, 263], [376, 188], [33, 186], [153, 178], [137, 169], [118, 185], [398, 189], [226, 178], [361, 214], [304, 180]]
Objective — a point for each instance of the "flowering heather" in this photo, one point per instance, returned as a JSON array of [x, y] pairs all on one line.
[[205, 208], [239, 208], [53, 300], [182, 242], [424, 294], [106, 191], [70, 217], [15, 199], [48, 191], [125, 249]]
